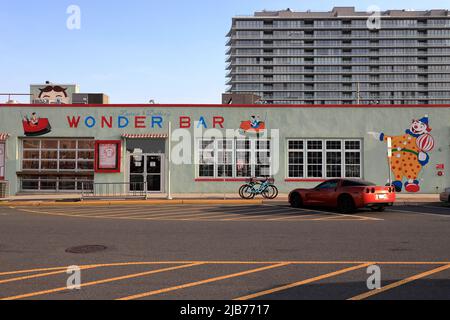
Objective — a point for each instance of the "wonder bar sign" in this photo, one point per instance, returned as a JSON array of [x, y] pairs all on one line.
[[141, 122]]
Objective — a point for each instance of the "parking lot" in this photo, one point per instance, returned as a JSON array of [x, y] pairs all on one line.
[[242, 252]]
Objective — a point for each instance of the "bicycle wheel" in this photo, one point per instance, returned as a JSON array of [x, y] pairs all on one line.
[[271, 192], [247, 192], [241, 189]]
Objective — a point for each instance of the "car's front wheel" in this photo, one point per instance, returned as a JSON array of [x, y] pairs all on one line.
[[296, 201], [346, 204]]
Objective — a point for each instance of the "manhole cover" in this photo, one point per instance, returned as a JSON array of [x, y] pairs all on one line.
[[86, 249]]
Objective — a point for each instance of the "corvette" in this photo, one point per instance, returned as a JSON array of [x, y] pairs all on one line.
[[346, 195]]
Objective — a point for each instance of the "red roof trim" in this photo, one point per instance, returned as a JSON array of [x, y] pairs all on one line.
[[231, 106]]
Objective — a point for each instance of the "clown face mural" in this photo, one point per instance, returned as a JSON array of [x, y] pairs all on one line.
[[410, 154], [54, 94]]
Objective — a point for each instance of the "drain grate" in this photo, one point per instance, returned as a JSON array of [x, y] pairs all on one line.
[[86, 249]]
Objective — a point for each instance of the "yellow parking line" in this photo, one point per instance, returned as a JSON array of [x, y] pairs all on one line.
[[303, 282], [30, 271], [294, 216], [40, 275], [400, 283], [135, 275], [265, 214], [206, 281]]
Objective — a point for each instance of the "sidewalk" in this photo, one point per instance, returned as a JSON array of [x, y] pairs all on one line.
[[75, 199]]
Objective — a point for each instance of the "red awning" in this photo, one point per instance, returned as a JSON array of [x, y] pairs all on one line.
[[145, 136], [4, 136]]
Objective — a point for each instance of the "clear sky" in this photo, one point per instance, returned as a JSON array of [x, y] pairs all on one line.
[[172, 51]]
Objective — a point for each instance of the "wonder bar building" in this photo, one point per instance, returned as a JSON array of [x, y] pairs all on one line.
[[215, 148]]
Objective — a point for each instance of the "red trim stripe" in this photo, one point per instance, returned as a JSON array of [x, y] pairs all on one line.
[[221, 180], [231, 106], [145, 136], [4, 136]]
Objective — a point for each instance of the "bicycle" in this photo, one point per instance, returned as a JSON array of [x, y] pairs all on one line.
[[255, 187]]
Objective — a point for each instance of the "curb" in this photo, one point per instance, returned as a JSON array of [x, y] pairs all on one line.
[[130, 202]]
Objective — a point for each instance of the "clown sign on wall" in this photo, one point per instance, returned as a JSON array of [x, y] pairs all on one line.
[[410, 153]]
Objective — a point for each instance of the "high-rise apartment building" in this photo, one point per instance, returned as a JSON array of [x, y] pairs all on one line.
[[341, 57]]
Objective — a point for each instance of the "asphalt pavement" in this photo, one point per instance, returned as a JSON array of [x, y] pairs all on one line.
[[247, 252]]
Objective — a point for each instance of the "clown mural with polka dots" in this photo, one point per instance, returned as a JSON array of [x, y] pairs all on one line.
[[410, 154]]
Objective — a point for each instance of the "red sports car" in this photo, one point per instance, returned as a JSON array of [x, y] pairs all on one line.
[[346, 195]]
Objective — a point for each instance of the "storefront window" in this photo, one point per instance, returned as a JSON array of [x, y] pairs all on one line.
[[58, 155], [323, 159], [57, 165], [230, 158]]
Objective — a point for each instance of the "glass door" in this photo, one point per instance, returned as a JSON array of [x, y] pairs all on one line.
[[147, 173], [154, 172]]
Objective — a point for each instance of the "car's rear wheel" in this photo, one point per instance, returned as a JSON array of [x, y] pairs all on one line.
[[378, 208], [296, 201], [346, 204]]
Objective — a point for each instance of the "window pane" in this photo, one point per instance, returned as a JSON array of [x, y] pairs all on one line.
[[225, 144], [296, 171], [86, 155], [334, 157], [86, 144], [315, 164], [296, 158], [67, 165], [31, 144], [49, 165], [207, 144], [31, 154], [225, 157], [243, 144], [68, 144], [262, 171], [352, 158], [334, 171], [67, 184], [334, 145], [30, 165], [352, 145], [315, 145], [206, 170], [85, 165], [49, 144], [225, 171], [52, 155], [263, 144], [48, 184], [296, 145], [30, 184], [72, 155], [353, 171]]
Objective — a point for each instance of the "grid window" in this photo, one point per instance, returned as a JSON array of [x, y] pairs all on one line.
[[228, 158], [324, 159], [58, 155]]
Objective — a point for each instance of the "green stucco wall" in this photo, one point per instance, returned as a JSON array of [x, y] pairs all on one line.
[[292, 122]]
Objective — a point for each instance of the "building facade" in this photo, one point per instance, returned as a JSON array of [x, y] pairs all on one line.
[[341, 57], [215, 148]]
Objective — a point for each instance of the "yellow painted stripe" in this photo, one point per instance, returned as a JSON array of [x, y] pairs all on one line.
[[39, 275], [135, 275], [303, 282], [9, 273], [202, 282], [400, 283]]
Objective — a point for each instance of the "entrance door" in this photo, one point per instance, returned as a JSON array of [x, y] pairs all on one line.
[[147, 173]]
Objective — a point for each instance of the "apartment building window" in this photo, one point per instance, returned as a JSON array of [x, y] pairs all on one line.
[[324, 158], [234, 158]]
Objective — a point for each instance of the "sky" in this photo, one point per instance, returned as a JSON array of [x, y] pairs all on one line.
[[170, 51]]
